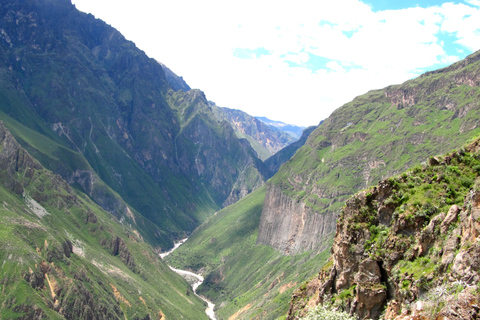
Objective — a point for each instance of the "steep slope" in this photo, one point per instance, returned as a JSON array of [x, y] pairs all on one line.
[[207, 148], [379, 134], [273, 163], [234, 259], [76, 81], [65, 258], [176, 82], [408, 247]]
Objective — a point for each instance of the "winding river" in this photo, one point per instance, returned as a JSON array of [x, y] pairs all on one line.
[[188, 275]]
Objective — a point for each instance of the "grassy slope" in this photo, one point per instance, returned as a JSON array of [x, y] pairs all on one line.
[[34, 244], [57, 157], [239, 274], [377, 135], [368, 139]]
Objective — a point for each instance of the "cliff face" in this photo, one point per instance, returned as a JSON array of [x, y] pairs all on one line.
[[408, 247], [298, 230], [379, 134]]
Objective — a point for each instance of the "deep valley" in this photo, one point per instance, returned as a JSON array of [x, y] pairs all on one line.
[[108, 159]]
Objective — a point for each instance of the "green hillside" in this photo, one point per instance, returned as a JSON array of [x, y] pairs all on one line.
[[66, 258], [368, 139], [381, 133]]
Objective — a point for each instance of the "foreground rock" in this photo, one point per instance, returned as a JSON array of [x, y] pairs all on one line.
[[408, 248]]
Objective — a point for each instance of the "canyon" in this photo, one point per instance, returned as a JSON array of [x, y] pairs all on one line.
[[108, 159]]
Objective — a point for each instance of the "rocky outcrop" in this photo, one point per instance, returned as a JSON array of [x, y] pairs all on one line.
[[19, 171], [120, 249], [408, 258], [14, 160], [290, 227]]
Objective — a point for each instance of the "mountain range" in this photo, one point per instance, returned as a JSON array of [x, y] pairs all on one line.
[[293, 130], [107, 157]]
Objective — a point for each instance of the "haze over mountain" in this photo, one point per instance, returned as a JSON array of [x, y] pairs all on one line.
[[291, 129], [290, 63], [265, 139]]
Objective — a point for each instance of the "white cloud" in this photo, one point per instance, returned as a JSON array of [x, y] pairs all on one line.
[[197, 39], [474, 2]]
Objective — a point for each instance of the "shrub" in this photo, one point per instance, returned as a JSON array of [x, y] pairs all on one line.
[[325, 312]]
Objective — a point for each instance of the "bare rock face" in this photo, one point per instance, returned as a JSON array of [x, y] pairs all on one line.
[[289, 226]]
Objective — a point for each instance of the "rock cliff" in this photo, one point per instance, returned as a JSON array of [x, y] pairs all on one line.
[[407, 248], [298, 230]]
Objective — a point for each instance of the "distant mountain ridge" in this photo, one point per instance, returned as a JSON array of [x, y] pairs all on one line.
[[265, 139], [293, 130]]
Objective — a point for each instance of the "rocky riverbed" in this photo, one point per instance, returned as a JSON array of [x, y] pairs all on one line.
[[193, 279]]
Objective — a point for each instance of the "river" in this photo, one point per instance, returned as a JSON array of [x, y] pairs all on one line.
[[195, 284]]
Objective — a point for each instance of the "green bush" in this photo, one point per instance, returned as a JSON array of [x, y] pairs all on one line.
[[325, 312]]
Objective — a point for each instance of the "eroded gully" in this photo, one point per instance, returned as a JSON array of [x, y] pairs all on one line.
[[199, 280]]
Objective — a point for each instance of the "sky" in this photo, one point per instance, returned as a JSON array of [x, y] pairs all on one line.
[[295, 61]]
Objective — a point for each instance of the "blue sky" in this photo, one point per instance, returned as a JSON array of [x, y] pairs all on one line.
[[381, 5], [295, 61]]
